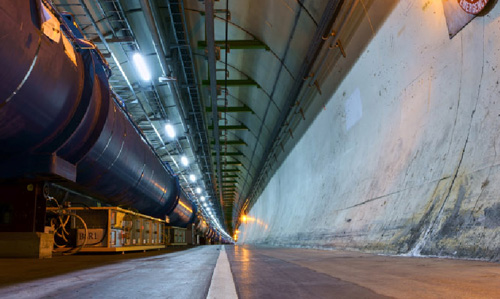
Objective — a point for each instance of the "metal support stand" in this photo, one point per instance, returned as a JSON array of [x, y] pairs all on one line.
[[22, 221]]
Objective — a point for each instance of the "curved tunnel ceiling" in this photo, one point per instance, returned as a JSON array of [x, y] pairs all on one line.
[[265, 81], [267, 43]]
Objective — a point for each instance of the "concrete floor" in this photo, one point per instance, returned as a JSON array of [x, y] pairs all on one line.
[[156, 274], [258, 272], [393, 276]]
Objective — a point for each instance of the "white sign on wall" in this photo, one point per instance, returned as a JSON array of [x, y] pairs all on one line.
[[353, 109]]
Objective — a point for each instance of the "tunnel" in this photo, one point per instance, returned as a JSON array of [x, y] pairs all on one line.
[[249, 149]]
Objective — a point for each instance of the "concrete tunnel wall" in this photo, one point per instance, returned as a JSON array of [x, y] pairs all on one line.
[[404, 158]]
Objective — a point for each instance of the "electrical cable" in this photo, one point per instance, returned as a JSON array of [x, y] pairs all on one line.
[[78, 248], [61, 212]]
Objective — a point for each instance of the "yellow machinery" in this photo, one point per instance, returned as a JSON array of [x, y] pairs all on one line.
[[105, 229]]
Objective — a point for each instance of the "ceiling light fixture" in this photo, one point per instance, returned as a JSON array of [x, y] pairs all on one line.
[[141, 67], [192, 178], [198, 190], [170, 130], [184, 161]]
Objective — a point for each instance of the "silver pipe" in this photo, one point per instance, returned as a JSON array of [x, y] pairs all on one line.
[[158, 44], [210, 37], [161, 46], [165, 66], [199, 126], [148, 13]]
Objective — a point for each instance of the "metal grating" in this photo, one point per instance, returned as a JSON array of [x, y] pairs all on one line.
[[177, 18]]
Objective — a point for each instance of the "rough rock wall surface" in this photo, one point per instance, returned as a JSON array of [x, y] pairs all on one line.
[[404, 158]]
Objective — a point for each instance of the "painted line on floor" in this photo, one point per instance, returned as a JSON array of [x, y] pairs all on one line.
[[222, 285]]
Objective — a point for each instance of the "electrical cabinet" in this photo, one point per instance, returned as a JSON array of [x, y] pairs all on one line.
[[175, 235], [105, 229]]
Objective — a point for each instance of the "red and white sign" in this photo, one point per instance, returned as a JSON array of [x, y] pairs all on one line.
[[473, 6]]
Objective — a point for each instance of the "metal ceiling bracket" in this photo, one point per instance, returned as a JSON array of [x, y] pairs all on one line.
[[237, 163], [230, 127], [236, 82], [229, 176], [244, 108], [236, 44], [231, 142], [231, 170], [232, 181], [230, 154]]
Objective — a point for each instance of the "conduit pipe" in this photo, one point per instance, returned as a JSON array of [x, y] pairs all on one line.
[[336, 36], [160, 50], [200, 131], [209, 28], [148, 10], [164, 64]]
